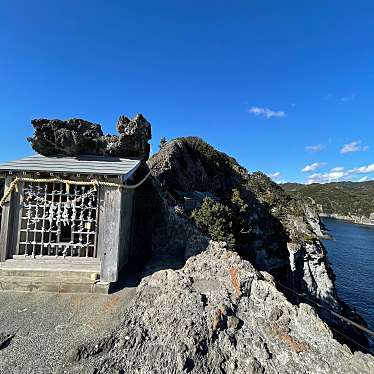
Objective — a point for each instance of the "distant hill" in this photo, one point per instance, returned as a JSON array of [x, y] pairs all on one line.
[[345, 199]]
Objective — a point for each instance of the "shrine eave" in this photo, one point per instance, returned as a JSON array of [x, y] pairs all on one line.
[[91, 165]]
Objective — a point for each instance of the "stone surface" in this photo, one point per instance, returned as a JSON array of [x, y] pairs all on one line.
[[284, 232], [277, 221], [75, 137], [199, 307], [218, 314], [48, 327], [5, 340]]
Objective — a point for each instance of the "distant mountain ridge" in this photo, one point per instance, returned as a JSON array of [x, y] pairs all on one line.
[[353, 201]]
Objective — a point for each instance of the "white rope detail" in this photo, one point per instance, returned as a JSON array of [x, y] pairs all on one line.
[[95, 183]]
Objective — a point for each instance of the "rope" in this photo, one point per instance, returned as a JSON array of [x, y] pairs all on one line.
[[345, 319], [352, 340], [95, 183], [133, 186]]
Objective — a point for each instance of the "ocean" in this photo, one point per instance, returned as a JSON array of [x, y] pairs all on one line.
[[351, 254]]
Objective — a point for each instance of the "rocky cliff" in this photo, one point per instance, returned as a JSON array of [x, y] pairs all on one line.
[[283, 232], [202, 308], [218, 314]]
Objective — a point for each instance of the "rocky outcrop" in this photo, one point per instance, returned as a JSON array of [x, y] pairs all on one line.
[[277, 222], [203, 309], [75, 137], [315, 223], [283, 232], [219, 315], [5, 340]]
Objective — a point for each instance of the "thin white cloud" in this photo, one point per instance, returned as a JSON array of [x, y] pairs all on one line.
[[364, 179], [348, 98], [275, 176], [338, 173], [362, 169], [266, 112], [334, 176], [355, 146], [315, 148], [312, 167], [337, 168]]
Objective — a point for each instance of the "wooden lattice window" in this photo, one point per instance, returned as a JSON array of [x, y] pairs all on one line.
[[58, 220]]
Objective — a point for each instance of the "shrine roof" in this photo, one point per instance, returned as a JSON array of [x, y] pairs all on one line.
[[93, 165]]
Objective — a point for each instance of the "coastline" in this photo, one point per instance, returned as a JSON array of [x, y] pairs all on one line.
[[352, 219], [352, 271]]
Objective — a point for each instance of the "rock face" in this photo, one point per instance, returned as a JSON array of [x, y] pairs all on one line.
[[219, 315], [283, 235], [203, 309], [75, 137], [280, 225]]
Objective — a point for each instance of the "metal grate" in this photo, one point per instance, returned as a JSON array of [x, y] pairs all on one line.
[[58, 221]]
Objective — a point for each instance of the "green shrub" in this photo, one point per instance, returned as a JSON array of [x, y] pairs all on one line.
[[222, 222], [163, 142], [215, 219]]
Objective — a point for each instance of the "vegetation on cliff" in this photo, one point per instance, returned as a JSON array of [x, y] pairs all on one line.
[[342, 198], [223, 222]]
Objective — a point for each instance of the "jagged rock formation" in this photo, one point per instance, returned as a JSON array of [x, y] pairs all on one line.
[[282, 228], [283, 235], [219, 315], [75, 137], [203, 309]]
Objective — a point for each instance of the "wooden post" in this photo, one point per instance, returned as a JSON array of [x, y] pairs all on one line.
[[9, 223], [109, 232], [126, 227]]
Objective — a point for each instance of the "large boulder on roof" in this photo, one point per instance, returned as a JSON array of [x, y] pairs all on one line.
[[133, 137], [75, 137]]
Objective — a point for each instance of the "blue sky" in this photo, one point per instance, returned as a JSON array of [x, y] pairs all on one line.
[[259, 80]]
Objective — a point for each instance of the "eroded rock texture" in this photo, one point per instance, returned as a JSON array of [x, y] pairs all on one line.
[[219, 315], [203, 309], [75, 137], [283, 235]]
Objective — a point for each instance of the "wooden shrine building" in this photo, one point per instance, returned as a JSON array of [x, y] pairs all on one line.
[[67, 219]]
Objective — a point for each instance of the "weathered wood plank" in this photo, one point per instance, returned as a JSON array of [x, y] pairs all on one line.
[[9, 223], [109, 232], [126, 226], [19, 199]]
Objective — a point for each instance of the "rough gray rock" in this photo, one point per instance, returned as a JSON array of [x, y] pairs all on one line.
[[315, 223], [70, 137], [133, 138], [5, 340], [75, 137], [277, 221], [284, 232], [219, 315]]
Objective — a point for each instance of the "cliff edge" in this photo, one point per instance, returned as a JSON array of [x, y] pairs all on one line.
[[203, 307]]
